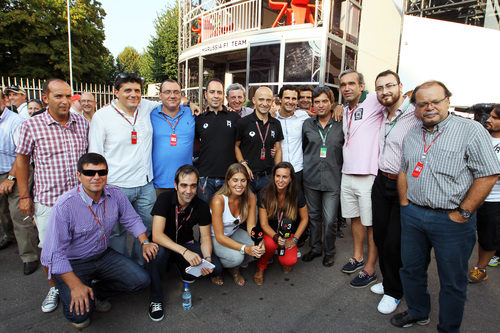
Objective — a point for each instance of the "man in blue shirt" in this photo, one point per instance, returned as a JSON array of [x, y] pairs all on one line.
[[173, 136]]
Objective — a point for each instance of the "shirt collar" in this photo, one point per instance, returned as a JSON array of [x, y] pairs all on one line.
[[402, 108], [442, 125], [5, 113], [364, 94], [89, 200], [316, 120], [50, 120], [279, 116], [175, 201], [208, 111], [180, 113]]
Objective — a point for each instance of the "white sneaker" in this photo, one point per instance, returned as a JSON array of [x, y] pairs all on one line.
[[377, 288], [299, 254], [51, 301], [494, 261], [387, 304]]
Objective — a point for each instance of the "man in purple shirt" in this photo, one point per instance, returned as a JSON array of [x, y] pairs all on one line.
[[76, 248]]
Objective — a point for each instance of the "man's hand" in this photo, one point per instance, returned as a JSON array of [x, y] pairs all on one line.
[[195, 110], [26, 206], [338, 112], [192, 258], [149, 251], [6, 186], [456, 217], [404, 202], [80, 299], [273, 151], [250, 174]]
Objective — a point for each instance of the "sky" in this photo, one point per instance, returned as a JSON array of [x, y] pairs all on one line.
[[130, 23]]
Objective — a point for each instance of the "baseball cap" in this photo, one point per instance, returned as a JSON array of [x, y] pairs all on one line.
[[75, 97], [15, 89]]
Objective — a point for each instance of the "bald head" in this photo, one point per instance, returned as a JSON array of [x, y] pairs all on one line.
[[88, 102], [263, 100]]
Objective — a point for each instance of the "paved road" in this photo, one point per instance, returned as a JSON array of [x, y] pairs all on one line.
[[311, 298]]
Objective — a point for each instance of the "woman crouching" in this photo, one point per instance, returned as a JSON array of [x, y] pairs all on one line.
[[283, 218]]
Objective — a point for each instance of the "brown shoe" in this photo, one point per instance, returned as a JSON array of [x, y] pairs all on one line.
[[258, 277], [286, 269]]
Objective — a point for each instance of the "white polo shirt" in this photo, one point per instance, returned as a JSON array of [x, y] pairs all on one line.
[[130, 165], [291, 145]]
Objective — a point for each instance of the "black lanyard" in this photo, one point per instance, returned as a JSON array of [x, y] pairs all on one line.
[[178, 227]]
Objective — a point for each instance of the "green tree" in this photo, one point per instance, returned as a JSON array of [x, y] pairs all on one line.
[[162, 49], [128, 60], [34, 39]]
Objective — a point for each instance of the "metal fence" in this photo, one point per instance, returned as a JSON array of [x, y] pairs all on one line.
[[103, 93]]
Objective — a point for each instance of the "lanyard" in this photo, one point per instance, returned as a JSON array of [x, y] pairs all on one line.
[[396, 120], [260, 133], [95, 216], [178, 227], [323, 138], [280, 219], [128, 121], [349, 122], [430, 145], [176, 122]]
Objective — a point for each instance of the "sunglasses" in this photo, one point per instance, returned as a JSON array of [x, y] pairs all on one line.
[[321, 89], [91, 173], [129, 76], [236, 224], [35, 100]]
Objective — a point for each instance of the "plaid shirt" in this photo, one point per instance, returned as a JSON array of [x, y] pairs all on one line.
[[55, 150]]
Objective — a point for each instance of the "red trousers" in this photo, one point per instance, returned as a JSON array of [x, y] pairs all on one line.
[[289, 259]]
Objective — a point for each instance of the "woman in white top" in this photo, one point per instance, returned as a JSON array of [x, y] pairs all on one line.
[[231, 206]]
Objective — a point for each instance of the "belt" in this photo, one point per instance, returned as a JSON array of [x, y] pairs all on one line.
[[439, 210], [388, 175]]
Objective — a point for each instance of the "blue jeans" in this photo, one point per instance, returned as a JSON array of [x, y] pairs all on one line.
[[421, 230], [158, 266], [115, 272], [259, 182], [208, 186], [142, 199]]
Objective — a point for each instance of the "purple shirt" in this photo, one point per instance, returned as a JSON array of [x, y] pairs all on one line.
[[74, 233]]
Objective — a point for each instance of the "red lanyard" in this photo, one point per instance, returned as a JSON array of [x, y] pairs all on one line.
[[95, 216], [260, 133], [427, 149], [280, 218], [128, 121], [349, 122], [178, 210], [176, 122]]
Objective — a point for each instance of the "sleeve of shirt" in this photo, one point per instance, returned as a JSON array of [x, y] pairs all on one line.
[[302, 200], [304, 136], [160, 206], [240, 129], [57, 240], [26, 142], [481, 158], [128, 216], [279, 135], [97, 134], [205, 216]]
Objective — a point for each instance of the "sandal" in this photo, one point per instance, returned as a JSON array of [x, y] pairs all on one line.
[[239, 280], [258, 277], [286, 269], [217, 280]]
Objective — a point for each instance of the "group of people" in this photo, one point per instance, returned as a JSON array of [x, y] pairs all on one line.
[[408, 174]]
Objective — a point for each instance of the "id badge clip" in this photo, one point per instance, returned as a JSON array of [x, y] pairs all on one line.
[[322, 152], [173, 139], [418, 169], [133, 137], [263, 154]]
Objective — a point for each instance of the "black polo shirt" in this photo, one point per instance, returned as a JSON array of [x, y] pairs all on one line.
[[273, 221], [197, 212], [217, 133], [251, 143]]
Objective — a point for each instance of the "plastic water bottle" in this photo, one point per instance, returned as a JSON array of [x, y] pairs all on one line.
[[186, 298]]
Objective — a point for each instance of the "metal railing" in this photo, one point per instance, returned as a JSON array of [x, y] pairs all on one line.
[[103, 93]]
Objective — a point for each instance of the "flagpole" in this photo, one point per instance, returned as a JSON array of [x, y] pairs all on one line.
[[69, 48]]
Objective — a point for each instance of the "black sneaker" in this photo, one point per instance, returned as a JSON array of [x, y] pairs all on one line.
[[156, 311], [187, 278], [353, 265], [403, 319]]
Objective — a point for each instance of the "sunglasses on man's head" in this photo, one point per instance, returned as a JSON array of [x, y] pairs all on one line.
[[129, 76], [91, 173]]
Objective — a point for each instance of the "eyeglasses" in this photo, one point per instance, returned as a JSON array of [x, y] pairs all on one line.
[[426, 104], [171, 92], [388, 86], [91, 173]]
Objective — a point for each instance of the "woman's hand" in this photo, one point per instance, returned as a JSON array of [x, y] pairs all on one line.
[[255, 250], [289, 243]]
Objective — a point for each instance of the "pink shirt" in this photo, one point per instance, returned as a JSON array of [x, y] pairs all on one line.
[[361, 127]]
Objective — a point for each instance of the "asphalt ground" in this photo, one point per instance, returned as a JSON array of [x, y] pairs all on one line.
[[311, 298]]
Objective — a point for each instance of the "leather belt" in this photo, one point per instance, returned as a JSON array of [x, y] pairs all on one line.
[[439, 210], [389, 175]]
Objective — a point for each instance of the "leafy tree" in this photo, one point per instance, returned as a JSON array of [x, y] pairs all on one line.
[[34, 39], [162, 49], [128, 60]]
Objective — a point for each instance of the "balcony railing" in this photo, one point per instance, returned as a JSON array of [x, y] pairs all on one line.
[[214, 18]]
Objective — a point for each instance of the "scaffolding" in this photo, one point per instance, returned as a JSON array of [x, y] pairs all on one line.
[[471, 12]]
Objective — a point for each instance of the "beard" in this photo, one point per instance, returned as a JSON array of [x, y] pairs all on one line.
[[394, 98]]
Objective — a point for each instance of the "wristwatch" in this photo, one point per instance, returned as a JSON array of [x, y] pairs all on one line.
[[145, 242], [466, 214], [295, 240], [242, 250], [10, 177]]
